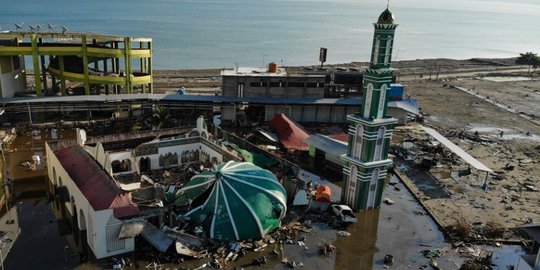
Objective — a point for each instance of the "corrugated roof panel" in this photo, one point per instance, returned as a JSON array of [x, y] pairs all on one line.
[[458, 151]]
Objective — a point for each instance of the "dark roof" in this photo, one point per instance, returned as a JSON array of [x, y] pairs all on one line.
[[386, 17], [94, 183]]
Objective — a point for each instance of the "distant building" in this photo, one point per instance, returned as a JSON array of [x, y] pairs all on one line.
[[271, 82], [100, 63]]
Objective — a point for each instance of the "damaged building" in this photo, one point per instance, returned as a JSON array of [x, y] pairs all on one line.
[[118, 188]]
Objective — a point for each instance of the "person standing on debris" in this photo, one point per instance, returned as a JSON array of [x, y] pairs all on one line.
[[501, 134]]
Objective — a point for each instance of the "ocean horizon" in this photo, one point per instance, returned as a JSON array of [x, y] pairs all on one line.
[[225, 33]]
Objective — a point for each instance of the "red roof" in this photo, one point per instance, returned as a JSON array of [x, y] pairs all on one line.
[[342, 137], [94, 183], [290, 134]]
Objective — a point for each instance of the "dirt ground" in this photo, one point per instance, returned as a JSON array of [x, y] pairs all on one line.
[[512, 197], [501, 97]]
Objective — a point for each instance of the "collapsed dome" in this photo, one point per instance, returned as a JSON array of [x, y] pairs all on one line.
[[386, 17], [237, 201]]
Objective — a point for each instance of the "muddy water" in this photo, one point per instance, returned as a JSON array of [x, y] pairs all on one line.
[[394, 229], [20, 151]]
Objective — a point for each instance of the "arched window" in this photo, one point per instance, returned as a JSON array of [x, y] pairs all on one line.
[[382, 97], [352, 185], [388, 50], [60, 181], [379, 144], [55, 180], [358, 140], [376, 50], [367, 100], [372, 193]]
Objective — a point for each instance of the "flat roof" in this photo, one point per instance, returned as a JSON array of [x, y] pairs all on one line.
[[457, 150], [213, 100], [327, 144], [68, 35], [185, 98], [253, 71]]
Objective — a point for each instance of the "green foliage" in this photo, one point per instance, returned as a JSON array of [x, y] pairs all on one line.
[[529, 59], [162, 117]]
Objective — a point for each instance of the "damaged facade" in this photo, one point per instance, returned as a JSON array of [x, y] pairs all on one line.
[[111, 192]]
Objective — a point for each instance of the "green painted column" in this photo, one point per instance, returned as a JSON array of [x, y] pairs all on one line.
[[62, 78], [105, 71], [116, 66], [85, 65], [142, 62], [127, 63], [35, 59]]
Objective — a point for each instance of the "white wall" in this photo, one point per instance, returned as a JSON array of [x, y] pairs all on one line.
[[96, 230], [120, 156], [212, 153], [101, 221], [12, 82]]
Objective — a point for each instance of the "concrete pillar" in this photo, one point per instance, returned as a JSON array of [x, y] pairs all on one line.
[[43, 69], [85, 66], [127, 64], [149, 59], [35, 59], [62, 78]]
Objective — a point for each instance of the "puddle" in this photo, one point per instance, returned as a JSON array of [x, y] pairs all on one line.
[[423, 180]]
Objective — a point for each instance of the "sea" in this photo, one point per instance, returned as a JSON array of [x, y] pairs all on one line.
[[226, 33]]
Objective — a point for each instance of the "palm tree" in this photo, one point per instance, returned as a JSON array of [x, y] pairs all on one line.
[[162, 117]]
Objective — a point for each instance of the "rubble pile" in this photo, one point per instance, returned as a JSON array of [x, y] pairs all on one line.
[[492, 205]]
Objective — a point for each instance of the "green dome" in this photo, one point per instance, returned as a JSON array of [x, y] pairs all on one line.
[[386, 17], [237, 201]]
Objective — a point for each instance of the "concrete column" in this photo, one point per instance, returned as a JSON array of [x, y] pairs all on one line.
[[35, 59], [116, 67], [62, 78], [142, 62], [105, 71], [85, 66], [43, 69], [150, 68], [127, 64]]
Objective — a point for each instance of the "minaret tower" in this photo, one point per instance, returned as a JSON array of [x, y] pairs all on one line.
[[370, 131]]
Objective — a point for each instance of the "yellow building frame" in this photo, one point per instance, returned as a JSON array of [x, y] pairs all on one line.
[[92, 48]]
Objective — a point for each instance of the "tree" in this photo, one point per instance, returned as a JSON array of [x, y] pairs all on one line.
[[530, 59], [162, 116]]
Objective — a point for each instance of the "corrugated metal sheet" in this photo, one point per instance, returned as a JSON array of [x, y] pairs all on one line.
[[327, 145], [458, 151], [94, 183], [131, 229], [533, 230], [409, 105], [291, 135], [156, 238]]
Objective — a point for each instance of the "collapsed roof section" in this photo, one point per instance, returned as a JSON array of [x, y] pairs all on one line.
[[240, 201], [291, 135]]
